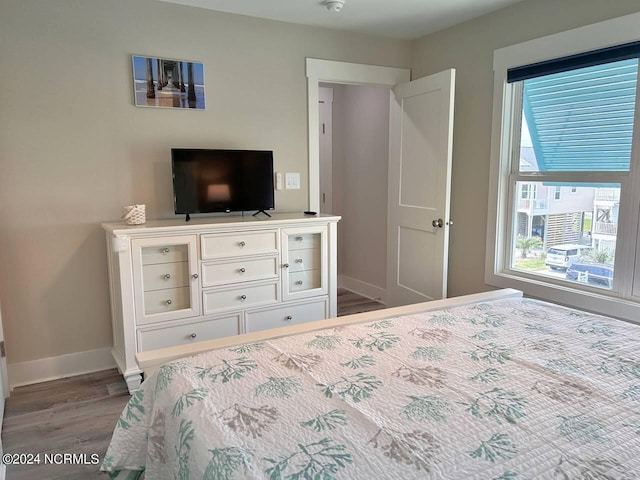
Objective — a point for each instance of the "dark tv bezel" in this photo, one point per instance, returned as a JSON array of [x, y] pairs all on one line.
[[173, 179]]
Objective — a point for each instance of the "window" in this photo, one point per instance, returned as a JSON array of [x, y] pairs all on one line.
[[566, 131], [528, 191], [572, 124]]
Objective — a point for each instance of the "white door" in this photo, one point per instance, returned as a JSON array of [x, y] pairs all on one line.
[[420, 145], [325, 107]]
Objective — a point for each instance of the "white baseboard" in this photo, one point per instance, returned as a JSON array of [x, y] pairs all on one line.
[[53, 368], [365, 289]]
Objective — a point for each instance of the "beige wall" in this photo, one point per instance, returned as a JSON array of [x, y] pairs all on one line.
[[360, 178], [469, 49], [74, 149]]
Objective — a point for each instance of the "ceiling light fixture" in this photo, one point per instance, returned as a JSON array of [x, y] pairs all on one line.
[[334, 5]]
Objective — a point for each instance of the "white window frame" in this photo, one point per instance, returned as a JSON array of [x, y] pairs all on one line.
[[619, 302]]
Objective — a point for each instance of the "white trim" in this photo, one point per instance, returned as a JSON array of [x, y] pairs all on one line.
[[592, 37], [62, 366], [368, 290], [338, 72], [583, 39]]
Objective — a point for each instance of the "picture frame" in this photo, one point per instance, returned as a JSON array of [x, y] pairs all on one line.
[[168, 83]]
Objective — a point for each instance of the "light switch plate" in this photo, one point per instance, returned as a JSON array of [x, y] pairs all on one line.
[[278, 181], [292, 181]]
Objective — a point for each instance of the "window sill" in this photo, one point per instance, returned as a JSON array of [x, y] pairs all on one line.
[[591, 301]]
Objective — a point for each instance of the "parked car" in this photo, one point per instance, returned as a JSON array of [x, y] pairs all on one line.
[[597, 274], [563, 256]]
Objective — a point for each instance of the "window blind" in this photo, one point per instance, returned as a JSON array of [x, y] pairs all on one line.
[[581, 60]]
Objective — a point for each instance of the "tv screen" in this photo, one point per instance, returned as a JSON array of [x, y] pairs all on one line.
[[206, 181]]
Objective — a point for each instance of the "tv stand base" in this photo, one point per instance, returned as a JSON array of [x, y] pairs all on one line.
[[261, 211]]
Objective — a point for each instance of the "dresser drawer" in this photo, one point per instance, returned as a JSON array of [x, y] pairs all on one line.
[[166, 300], [238, 244], [304, 240], [304, 259], [285, 316], [165, 275], [151, 339], [305, 280], [240, 297], [164, 254], [262, 268]]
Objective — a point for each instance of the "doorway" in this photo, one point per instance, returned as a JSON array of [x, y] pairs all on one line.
[[354, 164], [419, 176]]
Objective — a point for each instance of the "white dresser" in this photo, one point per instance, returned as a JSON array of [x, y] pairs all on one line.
[[174, 282]]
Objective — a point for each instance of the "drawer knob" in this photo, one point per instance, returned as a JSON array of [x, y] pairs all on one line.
[[195, 275], [166, 276], [242, 244], [299, 282], [165, 250], [298, 260], [242, 270], [243, 297], [288, 318], [168, 302], [298, 239], [286, 265], [193, 335]]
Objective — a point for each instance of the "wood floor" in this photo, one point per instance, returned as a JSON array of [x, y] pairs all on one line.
[[71, 415], [349, 303], [77, 414]]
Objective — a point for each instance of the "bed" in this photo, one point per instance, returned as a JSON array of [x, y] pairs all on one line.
[[488, 386]]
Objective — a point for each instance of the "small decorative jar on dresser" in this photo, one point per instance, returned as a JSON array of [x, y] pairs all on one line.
[[174, 282]]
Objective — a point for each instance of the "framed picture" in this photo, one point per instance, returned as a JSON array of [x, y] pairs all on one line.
[[162, 82]]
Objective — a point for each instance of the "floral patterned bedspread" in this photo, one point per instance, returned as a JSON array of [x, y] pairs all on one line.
[[510, 389]]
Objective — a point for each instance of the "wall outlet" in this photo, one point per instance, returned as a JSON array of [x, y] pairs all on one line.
[[292, 181]]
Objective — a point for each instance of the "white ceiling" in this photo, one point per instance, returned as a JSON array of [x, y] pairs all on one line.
[[404, 19]]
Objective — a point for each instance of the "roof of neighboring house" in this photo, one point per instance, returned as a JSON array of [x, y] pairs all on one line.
[[528, 162]]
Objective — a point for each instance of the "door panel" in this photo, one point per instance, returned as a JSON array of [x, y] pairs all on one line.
[[414, 243], [420, 146], [418, 185]]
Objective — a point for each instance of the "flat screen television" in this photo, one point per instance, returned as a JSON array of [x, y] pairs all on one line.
[[206, 181]]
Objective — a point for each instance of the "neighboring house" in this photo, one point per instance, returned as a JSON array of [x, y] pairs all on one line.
[[555, 213], [605, 218]]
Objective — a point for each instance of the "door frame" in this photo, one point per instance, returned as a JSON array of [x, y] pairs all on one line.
[[330, 71]]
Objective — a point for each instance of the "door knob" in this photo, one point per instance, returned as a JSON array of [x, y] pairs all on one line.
[[439, 223]]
